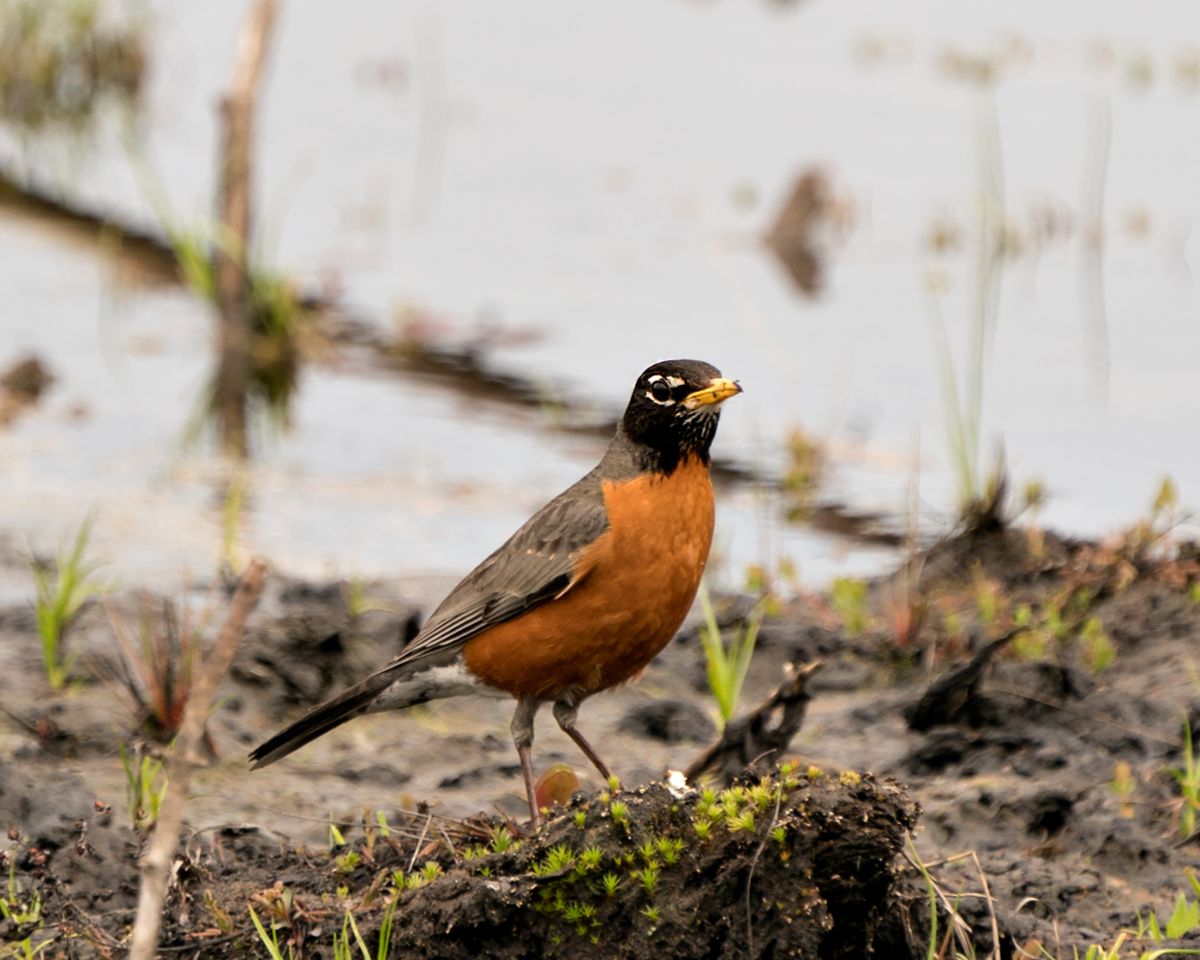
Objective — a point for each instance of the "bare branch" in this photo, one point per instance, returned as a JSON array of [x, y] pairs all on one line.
[[156, 863], [764, 733]]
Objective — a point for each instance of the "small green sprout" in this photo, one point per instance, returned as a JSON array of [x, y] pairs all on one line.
[[580, 819], [431, 871], [1188, 778], [651, 913], [501, 840], [669, 849], [703, 828], [727, 663], [619, 811], [590, 858], [559, 858], [849, 600], [761, 795], [609, 882], [647, 877], [63, 588], [427, 874], [347, 862], [271, 940]]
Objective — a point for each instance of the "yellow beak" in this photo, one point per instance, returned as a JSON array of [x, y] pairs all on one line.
[[719, 389]]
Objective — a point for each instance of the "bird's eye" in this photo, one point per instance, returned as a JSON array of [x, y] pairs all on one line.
[[660, 391]]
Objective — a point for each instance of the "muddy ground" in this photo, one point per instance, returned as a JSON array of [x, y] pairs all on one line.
[[1048, 759]]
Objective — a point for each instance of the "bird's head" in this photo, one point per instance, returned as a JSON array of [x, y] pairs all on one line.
[[675, 407]]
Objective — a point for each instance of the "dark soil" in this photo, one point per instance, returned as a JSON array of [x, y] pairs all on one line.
[[1046, 763]]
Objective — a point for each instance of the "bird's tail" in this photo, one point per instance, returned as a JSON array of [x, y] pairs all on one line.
[[395, 687], [322, 718]]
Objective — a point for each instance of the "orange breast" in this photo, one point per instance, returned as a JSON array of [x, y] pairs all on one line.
[[641, 577]]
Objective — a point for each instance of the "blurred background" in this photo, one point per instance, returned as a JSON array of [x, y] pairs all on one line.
[[948, 250]]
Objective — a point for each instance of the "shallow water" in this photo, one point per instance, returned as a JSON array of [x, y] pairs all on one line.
[[601, 174]]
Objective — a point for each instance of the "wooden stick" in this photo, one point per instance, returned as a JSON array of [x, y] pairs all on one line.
[[159, 856], [763, 734]]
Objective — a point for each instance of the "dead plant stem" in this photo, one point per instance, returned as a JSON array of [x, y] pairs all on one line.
[[158, 859]]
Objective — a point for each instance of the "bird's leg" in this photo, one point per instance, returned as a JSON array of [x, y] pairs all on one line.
[[522, 734], [566, 710]]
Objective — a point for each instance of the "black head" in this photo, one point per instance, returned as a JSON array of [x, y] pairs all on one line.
[[674, 410]]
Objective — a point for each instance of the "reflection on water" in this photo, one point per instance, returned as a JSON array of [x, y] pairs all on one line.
[[505, 133], [800, 236]]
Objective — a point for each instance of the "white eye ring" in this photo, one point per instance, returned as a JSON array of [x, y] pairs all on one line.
[[660, 391]]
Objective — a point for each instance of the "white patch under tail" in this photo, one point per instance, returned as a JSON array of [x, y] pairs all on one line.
[[432, 683]]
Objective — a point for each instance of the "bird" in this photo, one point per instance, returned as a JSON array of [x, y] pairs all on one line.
[[583, 596]]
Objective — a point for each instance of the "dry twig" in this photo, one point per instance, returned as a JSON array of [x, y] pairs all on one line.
[[158, 859], [764, 733]]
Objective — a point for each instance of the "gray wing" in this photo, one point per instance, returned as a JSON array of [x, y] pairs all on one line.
[[535, 564]]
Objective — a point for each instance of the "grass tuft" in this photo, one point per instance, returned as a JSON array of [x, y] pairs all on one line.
[[62, 589], [727, 663]]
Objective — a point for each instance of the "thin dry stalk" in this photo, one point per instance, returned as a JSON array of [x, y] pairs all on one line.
[[754, 864], [157, 861], [959, 927]]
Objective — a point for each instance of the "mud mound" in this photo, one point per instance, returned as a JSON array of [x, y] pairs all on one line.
[[799, 866]]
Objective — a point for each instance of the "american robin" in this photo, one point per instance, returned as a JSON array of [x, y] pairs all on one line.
[[584, 595]]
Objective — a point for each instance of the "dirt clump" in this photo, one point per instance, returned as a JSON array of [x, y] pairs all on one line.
[[799, 865]]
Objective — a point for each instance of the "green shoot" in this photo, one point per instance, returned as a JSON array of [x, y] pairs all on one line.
[[590, 859], [727, 665], [648, 878], [342, 949], [14, 908], [980, 497], [1188, 778], [25, 950], [384, 945], [60, 596], [501, 840], [270, 941], [1096, 647], [336, 839], [849, 600], [145, 788], [232, 513]]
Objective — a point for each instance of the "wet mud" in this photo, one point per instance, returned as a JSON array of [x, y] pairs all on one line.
[[1050, 768]]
